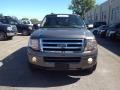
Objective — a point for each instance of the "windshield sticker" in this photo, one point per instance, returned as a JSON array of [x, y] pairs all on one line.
[[62, 15]]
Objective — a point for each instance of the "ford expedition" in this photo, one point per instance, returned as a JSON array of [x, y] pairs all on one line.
[[62, 43]]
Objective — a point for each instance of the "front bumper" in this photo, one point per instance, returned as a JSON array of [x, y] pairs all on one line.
[[11, 34], [83, 64]]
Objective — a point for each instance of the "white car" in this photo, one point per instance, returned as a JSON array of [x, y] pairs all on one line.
[[27, 22]]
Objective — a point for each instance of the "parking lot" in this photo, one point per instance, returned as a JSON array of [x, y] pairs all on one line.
[[16, 75]]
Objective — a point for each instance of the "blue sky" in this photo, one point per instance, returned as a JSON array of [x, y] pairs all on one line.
[[35, 8]]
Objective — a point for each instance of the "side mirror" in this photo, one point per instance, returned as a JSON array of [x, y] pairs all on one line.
[[90, 26], [36, 26]]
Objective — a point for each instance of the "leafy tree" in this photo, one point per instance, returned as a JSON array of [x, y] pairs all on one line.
[[25, 18], [34, 21], [80, 7], [1, 15]]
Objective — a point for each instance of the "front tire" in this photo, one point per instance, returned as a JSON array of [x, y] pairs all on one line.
[[25, 33], [10, 38], [2, 36]]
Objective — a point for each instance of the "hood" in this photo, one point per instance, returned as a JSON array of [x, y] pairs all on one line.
[[62, 33]]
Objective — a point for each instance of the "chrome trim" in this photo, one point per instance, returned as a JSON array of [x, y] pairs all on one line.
[[41, 45], [61, 43], [65, 46]]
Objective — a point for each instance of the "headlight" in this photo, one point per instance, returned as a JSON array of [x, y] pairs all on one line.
[[91, 45], [30, 27], [9, 28], [34, 44]]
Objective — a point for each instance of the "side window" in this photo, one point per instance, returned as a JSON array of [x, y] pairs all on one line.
[[13, 22], [4, 21], [43, 22]]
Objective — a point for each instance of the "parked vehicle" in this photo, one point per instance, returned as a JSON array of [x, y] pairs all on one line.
[[95, 30], [7, 31], [98, 24], [96, 27], [89, 24], [112, 30], [62, 43], [102, 30], [117, 34], [36, 26], [22, 28], [27, 22]]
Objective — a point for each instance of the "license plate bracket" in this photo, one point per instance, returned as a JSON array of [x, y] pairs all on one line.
[[61, 66]]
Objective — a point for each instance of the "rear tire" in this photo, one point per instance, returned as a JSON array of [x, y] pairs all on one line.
[[2, 36], [25, 33], [10, 38]]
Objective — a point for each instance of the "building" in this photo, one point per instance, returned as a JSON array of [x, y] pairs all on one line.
[[114, 6], [108, 12]]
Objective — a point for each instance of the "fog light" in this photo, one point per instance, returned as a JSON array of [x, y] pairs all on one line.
[[90, 60], [34, 59]]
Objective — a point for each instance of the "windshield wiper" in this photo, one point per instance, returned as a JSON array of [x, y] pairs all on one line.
[[76, 26]]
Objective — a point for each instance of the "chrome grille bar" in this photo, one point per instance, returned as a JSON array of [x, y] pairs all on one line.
[[51, 45]]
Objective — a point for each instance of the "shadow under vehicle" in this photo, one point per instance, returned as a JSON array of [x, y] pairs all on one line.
[[15, 73]]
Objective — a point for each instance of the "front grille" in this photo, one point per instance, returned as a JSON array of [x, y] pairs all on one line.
[[14, 28], [62, 59], [62, 45]]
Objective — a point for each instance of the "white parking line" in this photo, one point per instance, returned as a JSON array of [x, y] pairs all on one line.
[[1, 64]]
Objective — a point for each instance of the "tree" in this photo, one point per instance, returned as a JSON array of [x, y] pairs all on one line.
[[80, 7], [34, 21], [25, 18], [1, 15]]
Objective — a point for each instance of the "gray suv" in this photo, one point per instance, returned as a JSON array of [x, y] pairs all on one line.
[[62, 43]]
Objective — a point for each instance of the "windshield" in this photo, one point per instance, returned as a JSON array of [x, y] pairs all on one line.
[[15, 21], [65, 21], [26, 22]]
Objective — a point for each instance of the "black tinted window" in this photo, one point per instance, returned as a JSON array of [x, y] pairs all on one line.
[[62, 21]]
